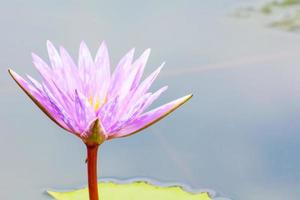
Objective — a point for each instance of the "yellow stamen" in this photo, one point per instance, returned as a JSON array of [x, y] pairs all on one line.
[[98, 103]]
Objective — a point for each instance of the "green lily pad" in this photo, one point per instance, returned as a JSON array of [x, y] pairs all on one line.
[[131, 191]]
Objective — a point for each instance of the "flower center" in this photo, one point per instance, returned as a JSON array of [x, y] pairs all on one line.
[[96, 104]]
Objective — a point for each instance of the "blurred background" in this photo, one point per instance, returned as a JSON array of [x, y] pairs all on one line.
[[239, 135]]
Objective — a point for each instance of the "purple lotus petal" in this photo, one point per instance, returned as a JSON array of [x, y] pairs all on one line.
[[57, 110], [107, 113], [127, 90], [71, 77], [80, 111], [120, 74], [42, 68], [144, 86], [134, 75], [86, 68], [35, 96], [125, 116], [54, 57], [86, 99], [60, 98], [83, 111], [67, 100], [46, 73], [149, 118], [140, 64], [131, 114], [103, 73], [153, 97]]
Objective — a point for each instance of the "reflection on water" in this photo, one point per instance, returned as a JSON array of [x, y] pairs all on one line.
[[280, 14], [238, 136]]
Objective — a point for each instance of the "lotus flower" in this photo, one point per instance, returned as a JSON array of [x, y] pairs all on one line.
[[88, 101]]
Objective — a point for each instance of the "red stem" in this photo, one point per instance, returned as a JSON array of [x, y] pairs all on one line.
[[92, 171]]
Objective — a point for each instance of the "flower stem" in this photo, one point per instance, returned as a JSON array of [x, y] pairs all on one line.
[[92, 171]]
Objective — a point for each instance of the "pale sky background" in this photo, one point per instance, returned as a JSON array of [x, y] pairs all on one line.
[[239, 135]]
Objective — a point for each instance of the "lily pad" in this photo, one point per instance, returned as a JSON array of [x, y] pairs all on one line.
[[132, 191]]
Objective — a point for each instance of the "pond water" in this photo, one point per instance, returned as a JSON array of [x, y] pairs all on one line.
[[239, 135]]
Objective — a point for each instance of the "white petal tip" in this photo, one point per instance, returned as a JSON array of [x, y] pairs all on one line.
[[14, 75], [11, 72], [190, 95], [187, 97], [182, 100], [147, 51], [49, 43], [82, 43]]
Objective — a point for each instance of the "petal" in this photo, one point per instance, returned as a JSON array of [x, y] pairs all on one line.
[[66, 99], [132, 80], [71, 72], [140, 63], [144, 86], [86, 68], [127, 88], [54, 92], [120, 74], [42, 67], [102, 60], [46, 73], [129, 115], [34, 96], [83, 112], [107, 113], [80, 111], [54, 56], [57, 110], [149, 118], [124, 114], [102, 65], [50, 78], [153, 97], [85, 60]]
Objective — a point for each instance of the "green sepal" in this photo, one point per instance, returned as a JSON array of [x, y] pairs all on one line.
[[96, 134]]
